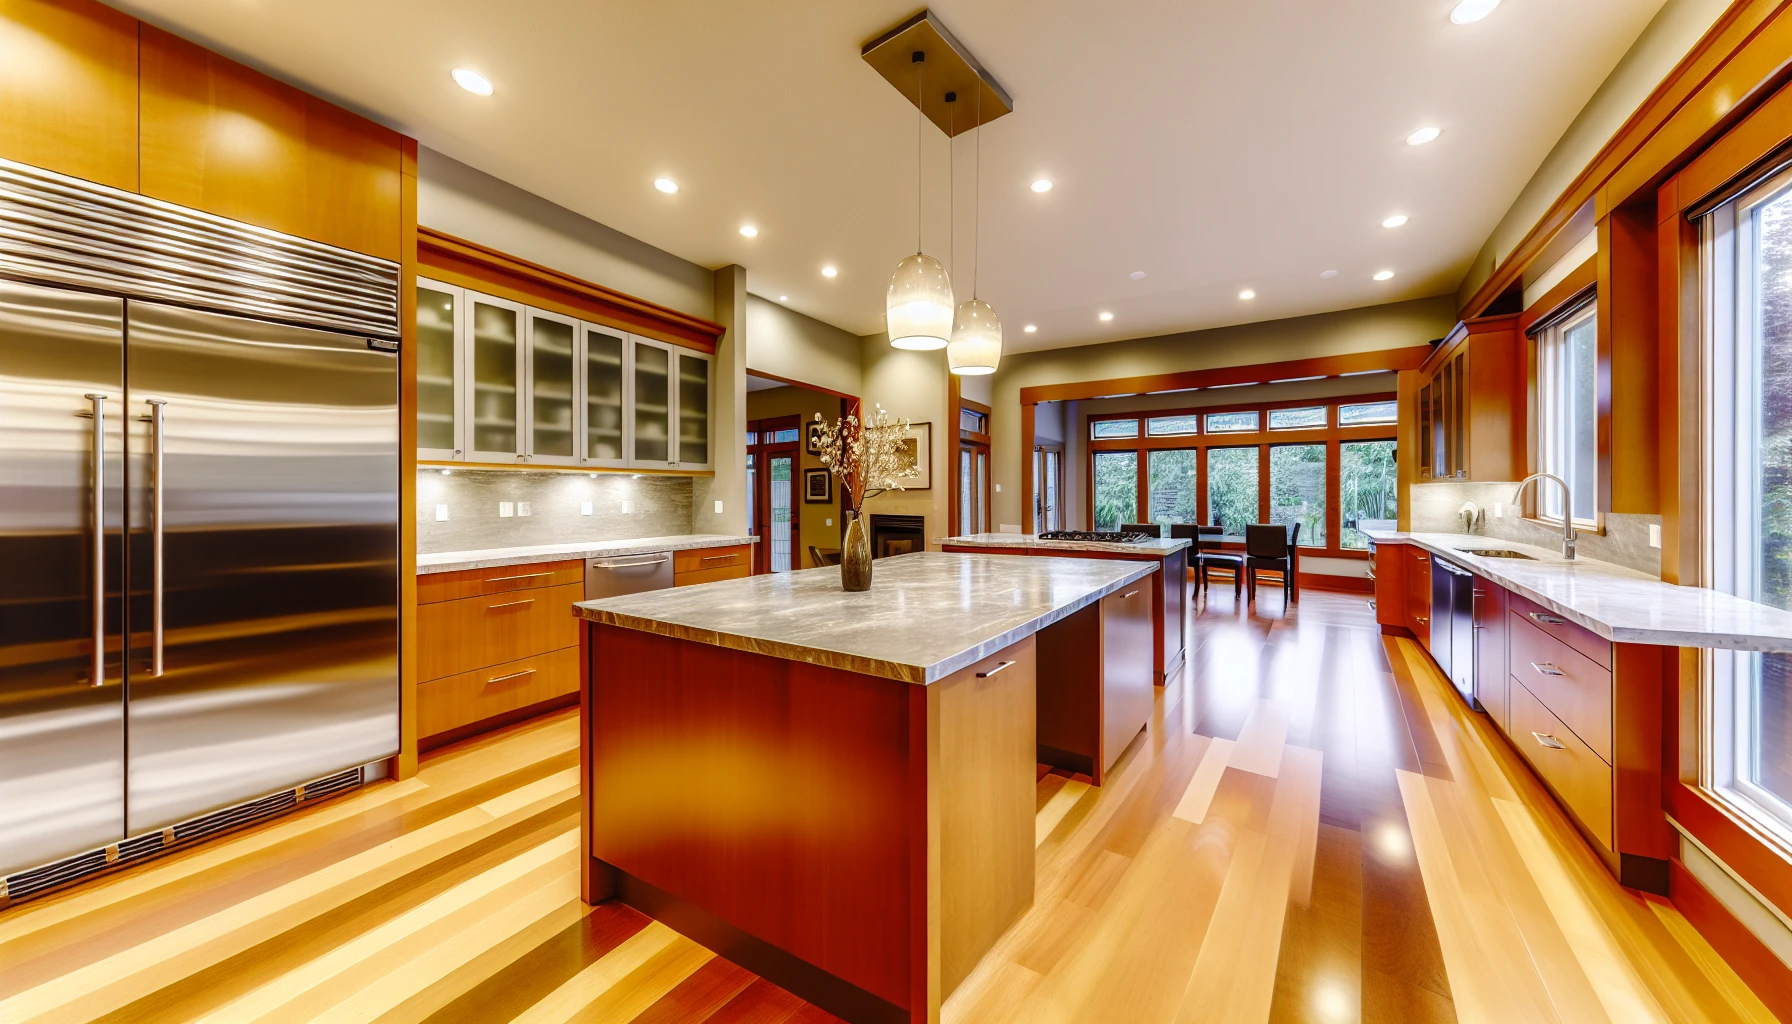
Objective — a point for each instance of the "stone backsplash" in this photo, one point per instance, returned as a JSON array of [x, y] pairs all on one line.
[[1625, 540], [545, 507]]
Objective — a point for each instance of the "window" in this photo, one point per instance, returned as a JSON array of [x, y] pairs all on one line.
[[1103, 429], [1174, 488], [1747, 517], [1366, 487], [1232, 422], [1048, 476], [1368, 414], [973, 482], [973, 421], [1172, 426], [1297, 490], [1116, 489], [1568, 414], [1290, 419], [1232, 488]]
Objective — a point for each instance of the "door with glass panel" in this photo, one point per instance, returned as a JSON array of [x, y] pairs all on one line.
[[602, 359], [772, 454], [493, 342], [551, 424], [693, 451], [651, 441], [973, 487], [1048, 484], [441, 380]]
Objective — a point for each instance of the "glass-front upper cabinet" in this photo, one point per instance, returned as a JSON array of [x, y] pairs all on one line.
[[603, 355], [653, 399], [552, 428], [693, 410], [440, 397], [496, 370]]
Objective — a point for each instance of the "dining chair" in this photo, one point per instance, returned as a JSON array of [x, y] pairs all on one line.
[[1208, 553], [1275, 547], [1151, 528]]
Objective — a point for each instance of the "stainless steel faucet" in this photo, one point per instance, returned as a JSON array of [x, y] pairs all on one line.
[[1567, 508]]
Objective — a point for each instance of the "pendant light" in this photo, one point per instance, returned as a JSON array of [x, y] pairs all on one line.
[[919, 309], [976, 345]]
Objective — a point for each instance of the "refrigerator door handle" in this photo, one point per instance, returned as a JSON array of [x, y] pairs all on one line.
[[97, 669], [157, 490]]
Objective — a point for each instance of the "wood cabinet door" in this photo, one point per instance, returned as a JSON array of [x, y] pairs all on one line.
[[1418, 595], [68, 90], [1492, 682]]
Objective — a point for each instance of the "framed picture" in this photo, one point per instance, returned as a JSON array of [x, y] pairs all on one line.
[[918, 446], [818, 486], [812, 437]]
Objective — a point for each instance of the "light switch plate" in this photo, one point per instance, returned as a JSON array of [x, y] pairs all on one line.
[[441, 513], [998, 488], [718, 508], [1499, 509], [524, 508], [1655, 535], [627, 506], [830, 522], [506, 509], [584, 508]]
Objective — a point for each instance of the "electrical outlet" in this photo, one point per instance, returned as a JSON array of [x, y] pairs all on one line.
[[830, 522], [627, 506], [998, 488], [506, 509], [1499, 509], [524, 508], [441, 513], [584, 508], [1655, 535], [718, 508]]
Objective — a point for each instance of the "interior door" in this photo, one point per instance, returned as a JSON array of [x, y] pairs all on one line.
[[772, 460], [264, 595], [61, 726]]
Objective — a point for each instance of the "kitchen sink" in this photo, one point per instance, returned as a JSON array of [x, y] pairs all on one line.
[[1497, 553]]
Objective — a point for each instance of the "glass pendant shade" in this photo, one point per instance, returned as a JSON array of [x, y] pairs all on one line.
[[919, 312], [976, 345]]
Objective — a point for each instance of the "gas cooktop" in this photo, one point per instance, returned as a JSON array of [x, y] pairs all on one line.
[[1098, 536]]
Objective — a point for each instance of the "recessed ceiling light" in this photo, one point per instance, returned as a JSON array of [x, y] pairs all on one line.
[[1426, 134], [1105, 317], [472, 81], [666, 185], [1472, 10], [1042, 185], [1137, 275], [783, 298], [749, 230], [1392, 222], [1328, 274], [1384, 275], [829, 271], [1247, 295], [1031, 328]]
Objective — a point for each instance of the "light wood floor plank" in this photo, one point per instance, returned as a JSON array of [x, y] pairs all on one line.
[[586, 987], [1259, 746], [1193, 805], [1056, 808]]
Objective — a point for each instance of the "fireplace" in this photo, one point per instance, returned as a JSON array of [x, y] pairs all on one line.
[[897, 535]]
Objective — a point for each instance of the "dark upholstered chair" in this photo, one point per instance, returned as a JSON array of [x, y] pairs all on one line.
[[1152, 528], [1274, 547], [1208, 554]]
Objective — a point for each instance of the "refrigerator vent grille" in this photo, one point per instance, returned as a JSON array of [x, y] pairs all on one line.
[[59, 230], [35, 881]]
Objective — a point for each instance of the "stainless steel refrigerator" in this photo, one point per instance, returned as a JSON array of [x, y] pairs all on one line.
[[198, 559]]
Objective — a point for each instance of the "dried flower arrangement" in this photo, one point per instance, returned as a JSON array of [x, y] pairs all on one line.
[[867, 457]]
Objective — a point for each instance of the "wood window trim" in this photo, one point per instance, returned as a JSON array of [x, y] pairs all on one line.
[[458, 261], [1243, 438], [1390, 360]]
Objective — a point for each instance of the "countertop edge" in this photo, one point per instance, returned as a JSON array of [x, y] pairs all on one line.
[[1162, 548], [489, 558]]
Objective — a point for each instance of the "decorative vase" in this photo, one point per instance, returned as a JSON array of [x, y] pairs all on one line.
[[855, 555]]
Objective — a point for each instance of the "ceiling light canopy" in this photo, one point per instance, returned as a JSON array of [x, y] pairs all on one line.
[[1395, 221], [472, 81], [1042, 185], [1472, 10], [1429, 133], [749, 231], [1384, 275], [666, 185]]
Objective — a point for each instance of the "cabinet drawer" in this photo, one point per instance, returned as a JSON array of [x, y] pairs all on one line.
[[726, 572], [472, 633], [1578, 776], [1570, 684], [701, 559], [1575, 635], [444, 704], [502, 579]]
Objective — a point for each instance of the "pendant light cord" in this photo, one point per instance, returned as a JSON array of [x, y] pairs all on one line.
[[951, 189], [920, 136], [977, 196]]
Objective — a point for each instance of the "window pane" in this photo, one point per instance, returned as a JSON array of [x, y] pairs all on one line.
[[1368, 413], [1231, 422], [1174, 488], [782, 516], [1114, 428], [973, 421], [1232, 488], [966, 523], [783, 436], [1172, 426], [1297, 490], [1116, 489], [1768, 756], [1052, 521], [1366, 487], [1569, 378], [1284, 419]]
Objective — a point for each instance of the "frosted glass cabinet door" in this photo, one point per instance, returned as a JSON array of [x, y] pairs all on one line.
[[693, 411], [652, 404], [552, 407], [495, 355], [602, 353], [439, 378]]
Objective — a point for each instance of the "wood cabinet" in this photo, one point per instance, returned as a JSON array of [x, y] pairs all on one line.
[[1492, 685], [1418, 594], [499, 381], [707, 565], [494, 644], [1471, 403], [68, 89]]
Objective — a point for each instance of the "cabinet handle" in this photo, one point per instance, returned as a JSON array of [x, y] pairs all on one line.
[[1545, 668], [993, 671], [1424, 618], [524, 576], [1480, 593], [1549, 741], [1129, 593], [720, 558], [513, 675], [508, 604], [1548, 619], [630, 565], [96, 668]]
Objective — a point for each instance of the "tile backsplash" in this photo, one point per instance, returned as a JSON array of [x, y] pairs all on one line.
[[509, 508], [1625, 541]]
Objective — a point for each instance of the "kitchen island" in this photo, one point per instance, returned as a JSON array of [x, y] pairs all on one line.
[[833, 790]]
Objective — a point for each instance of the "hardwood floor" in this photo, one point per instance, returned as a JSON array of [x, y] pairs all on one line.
[[1313, 829]]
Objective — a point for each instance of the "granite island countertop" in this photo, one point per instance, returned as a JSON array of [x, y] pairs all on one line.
[[926, 616], [453, 561], [1162, 547], [1618, 603]]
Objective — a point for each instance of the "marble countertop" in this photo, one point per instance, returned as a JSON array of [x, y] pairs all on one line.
[[926, 616], [1620, 604], [1162, 547], [452, 561]]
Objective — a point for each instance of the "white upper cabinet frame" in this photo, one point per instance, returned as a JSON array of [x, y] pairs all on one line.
[[550, 406], [686, 420], [653, 406], [487, 439], [432, 385], [594, 436]]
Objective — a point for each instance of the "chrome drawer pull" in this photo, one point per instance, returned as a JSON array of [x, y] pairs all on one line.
[[993, 671], [1549, 741], [508, 604], [524, 576], [1549, 620], [720, 558], [1545, 668], [1129, 593], [629, 565], [513, 675]]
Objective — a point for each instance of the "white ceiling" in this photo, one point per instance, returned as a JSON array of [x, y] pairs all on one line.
[[1216, 145]]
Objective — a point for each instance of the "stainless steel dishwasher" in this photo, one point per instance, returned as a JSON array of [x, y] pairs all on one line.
[[615, 575]]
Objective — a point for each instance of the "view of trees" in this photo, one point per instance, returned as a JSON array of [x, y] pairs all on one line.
[[1116, 489], [1175, 487], [1366, 486], [1773, 276], [1232, 488], [1297, 490]]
